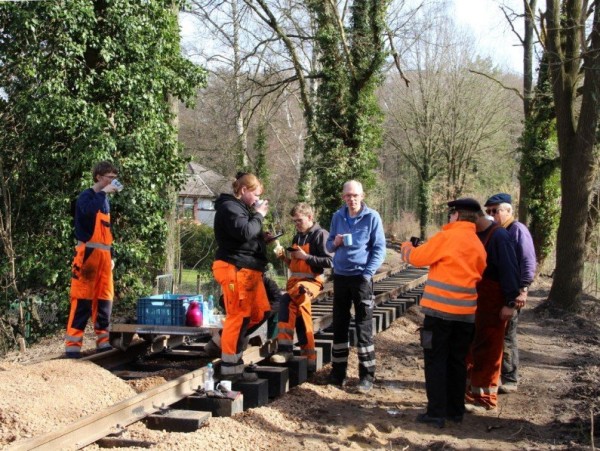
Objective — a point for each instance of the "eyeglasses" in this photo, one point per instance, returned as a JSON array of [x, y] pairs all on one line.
[[110, 177], [491, 211]]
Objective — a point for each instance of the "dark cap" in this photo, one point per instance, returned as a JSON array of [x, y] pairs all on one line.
[[466, 203], [500, 198]]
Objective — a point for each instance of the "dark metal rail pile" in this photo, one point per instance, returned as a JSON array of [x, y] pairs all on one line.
[[395, 291]]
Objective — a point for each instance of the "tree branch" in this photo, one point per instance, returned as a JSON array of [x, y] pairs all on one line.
[[340, 25], [396, 57], [515, 90]]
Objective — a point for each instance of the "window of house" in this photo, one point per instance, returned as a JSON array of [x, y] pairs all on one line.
[[206, 204]]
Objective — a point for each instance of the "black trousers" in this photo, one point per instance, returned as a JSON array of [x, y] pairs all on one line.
[[349, 291], [510, 357], [445, 366]]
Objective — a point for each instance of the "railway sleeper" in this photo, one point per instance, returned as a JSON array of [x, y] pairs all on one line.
[[218, 407], [175, 420], [118, 442]]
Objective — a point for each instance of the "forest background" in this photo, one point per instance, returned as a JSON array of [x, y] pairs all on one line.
[[305, 93]]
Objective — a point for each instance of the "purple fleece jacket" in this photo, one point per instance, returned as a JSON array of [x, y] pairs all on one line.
[[525, 252]]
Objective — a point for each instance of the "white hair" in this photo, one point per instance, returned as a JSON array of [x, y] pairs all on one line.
[[506, 206], [356, 183]]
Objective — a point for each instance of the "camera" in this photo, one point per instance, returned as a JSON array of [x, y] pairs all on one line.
[[415, 241]]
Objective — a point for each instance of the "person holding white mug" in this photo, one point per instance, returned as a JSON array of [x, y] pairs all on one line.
[[357, 238], [92, 289]]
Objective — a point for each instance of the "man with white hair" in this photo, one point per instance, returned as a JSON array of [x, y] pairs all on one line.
[[356, 236], [499, 206]]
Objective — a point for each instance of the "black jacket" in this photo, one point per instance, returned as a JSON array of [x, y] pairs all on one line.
[[239, 235]]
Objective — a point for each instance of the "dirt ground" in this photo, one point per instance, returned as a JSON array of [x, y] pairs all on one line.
[[558, 398]]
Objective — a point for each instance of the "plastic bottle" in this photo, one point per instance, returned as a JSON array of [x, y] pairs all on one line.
[[200, 300], [193, 317], [205, 314], [166, 294], [211, 309], [209, 382]]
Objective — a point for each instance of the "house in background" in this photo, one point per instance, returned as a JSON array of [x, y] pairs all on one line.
[[196, 200]]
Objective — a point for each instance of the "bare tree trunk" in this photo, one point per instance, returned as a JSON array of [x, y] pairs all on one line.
[[425, 188], [6, 230], [240, 127]]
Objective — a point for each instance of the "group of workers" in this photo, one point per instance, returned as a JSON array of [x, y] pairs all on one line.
[[241, 261], [480, 270]]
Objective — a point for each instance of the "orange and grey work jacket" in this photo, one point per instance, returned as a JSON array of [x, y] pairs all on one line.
[[313, 243], [456, 259], [300, 270]]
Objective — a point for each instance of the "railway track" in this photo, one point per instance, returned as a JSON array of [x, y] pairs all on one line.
[[395, 291]]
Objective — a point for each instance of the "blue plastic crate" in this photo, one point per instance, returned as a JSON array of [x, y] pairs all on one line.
[[163, 309]]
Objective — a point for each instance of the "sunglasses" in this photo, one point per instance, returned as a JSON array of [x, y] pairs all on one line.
[[491, 211]]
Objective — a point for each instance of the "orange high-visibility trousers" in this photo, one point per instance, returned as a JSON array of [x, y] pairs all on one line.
[[298, 315], [485, 359], [92, 287], [246, 303]]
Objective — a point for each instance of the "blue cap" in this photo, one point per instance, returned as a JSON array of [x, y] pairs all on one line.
[[500, 198], [466, 203]]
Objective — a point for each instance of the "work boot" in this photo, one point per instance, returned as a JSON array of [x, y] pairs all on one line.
[[455, 418], [365, 385], [508, 387], [73, 355], [475, 408], [434, 421], [212, 349], [311, 366], [104, 349], [281, 357], [334, 379]]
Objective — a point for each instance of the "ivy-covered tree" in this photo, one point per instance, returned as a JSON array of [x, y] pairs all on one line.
[[343, 119], [540, 166], [261, 168], [82, 82]]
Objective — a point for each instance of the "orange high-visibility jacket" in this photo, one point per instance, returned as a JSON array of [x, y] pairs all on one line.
[[456, 259]]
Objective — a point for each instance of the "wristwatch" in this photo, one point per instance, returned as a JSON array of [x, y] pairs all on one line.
[[524, 289]]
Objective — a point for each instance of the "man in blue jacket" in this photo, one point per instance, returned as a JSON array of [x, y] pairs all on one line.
[[499, 206], [356, 236]]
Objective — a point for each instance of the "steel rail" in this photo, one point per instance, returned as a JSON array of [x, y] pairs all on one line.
[[114, 418]]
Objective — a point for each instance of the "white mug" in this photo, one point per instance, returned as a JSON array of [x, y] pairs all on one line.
[[224, 386], [117, 185]]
